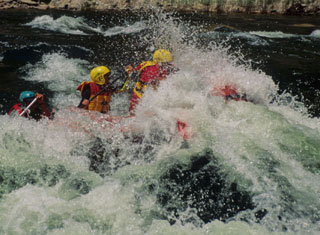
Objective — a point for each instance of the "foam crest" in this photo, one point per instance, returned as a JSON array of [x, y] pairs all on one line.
[[315, 33], [78, 26], [63, 24], [127, 29], [276, 34]]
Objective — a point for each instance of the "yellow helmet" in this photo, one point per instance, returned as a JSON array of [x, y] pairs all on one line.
[[97, 74], [162, 55]]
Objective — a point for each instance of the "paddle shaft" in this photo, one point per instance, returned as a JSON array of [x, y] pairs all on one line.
[[28, 107]]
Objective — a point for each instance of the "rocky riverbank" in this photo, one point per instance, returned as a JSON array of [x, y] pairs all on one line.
[[300, 7]]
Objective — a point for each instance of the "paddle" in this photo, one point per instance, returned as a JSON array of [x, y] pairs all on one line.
[[125, 84], [28, 107]]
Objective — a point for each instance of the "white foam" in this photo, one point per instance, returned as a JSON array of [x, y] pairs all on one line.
[[127, 29], [275, 34], [61, 74], [63, 24], [78, 26], [315, 33]]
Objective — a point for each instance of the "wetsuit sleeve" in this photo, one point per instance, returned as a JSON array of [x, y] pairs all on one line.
[[86, 93]]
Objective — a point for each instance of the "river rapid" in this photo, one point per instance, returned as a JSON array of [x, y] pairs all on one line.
[[246, 167]]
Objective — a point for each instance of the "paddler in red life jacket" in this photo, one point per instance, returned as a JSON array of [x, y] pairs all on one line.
[[150, 74], [31, 106], [229, 93], [96, 94]]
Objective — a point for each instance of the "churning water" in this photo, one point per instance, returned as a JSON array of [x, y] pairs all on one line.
[[248, 167]]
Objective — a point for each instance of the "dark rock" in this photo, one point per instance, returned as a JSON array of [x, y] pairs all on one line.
[[296, 9], [202, 186]]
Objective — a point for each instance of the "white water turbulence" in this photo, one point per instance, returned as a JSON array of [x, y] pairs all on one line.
[[281, 35], [62, 75], [252, 39], [126, 29], [64, 24], [315, 33], [276, 34], [79, 26], [247, 167]]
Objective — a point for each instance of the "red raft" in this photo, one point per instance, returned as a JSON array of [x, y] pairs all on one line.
[[107, 121], [184, 130]]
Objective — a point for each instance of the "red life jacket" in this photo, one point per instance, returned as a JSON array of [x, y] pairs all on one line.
[[229, 93], [16, 107], [148, 72]]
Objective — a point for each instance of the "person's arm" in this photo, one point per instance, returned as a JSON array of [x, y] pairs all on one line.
[[85, 97], [124, 88], [44, 108]]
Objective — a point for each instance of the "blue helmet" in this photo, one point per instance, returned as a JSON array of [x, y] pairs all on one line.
[[26, 95]]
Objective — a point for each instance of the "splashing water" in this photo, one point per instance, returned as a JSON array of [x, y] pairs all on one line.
[[250, 167], [61, 74]]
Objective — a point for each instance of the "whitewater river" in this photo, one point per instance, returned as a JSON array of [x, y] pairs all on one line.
[[245, 168]]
